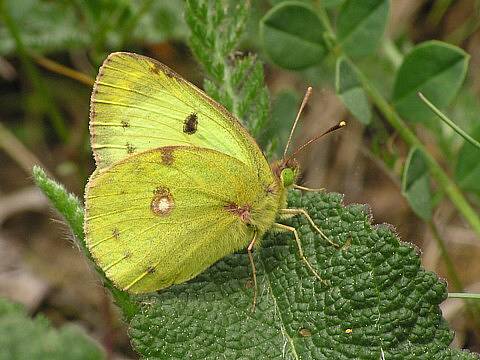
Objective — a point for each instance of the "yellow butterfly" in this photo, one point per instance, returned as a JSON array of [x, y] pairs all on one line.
[[179, 182]]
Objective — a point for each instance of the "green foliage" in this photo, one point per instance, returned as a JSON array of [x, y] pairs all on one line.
[[235, 80], [284, 37], [23, 338], [416, 184], [48, 26], [361, 24], [351, 92], [433, 68]]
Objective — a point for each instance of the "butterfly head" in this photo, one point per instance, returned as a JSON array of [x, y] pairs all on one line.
[[287, 172]]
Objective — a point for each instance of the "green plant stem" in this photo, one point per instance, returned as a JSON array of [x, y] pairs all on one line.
[[441, 177], [40, 90], [464, 296], [449, 122], [63, 70], [391, 52], [438, 11]]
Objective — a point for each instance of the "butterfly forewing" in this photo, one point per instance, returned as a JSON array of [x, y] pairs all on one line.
[[139, 104]]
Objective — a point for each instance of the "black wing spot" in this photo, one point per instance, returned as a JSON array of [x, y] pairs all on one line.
[[190, 124], [116, 233], [130, 148]]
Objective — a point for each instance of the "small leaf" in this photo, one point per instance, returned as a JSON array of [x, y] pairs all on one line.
[[435, 69], [22, 338], [467, 171], [351, 92], [292, 35], [378, 298], [416, 184], [361, 24]]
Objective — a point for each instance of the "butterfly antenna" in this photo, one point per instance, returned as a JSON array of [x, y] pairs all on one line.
[[304, 102], [340, 125]]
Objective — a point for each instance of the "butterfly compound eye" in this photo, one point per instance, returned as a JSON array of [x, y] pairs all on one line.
[[288, 177]]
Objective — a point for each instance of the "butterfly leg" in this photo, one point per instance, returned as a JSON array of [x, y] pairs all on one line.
[[310, 220], [298, 187], [254, 270], [283, 227]]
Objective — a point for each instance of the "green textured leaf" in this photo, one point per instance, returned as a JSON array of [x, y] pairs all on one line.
[[416, 184], [435, 69], [351, 92], [23, 338], [293, 35], [378, 299], [361, 24], [467, 172]]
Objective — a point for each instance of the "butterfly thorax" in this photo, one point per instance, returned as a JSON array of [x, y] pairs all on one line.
[[261, 209], [258, 214]]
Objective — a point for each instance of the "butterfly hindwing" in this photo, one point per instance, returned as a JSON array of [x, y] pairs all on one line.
[[162, 216], [139, 104]]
